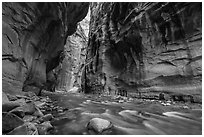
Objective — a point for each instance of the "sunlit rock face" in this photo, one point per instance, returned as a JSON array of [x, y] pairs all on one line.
[[70, 70], [33, 38], [145, 47]]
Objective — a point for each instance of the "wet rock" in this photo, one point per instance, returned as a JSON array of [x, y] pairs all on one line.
[[121, 101], [168, 101], [65, 109], [44, 128], [25, 129], [163, 104], [9, 106], [12, 97], [74, 90], [10, 121], [47, 117], [185, 107], [177, 97], [60, 110], [22, 96], [39, 104], [29, 108], [130, 99], [30, 94], [29, 118], [99, 125], [4, 98], [38, 112], [161, 96], [188, 98], [21, 101], [18, 111]]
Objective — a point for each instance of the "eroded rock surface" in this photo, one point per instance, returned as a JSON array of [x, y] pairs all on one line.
[[99, 125], [145, 47], [69, 72], [34, 35], [10, 121]]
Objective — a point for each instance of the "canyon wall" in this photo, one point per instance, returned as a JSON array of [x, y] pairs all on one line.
[[69, 71], [145, 48], [33, 39]]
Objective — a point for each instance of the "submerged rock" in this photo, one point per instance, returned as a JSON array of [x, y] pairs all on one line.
[[99, 125]]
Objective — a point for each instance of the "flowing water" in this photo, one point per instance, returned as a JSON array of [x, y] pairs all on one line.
[[133, 117]]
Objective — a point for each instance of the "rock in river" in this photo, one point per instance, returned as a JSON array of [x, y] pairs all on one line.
[[25, 129], [9, 106], [99, 125], [10, 121], [44, 127]]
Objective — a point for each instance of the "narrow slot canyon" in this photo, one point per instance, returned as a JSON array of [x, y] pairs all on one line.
[[101, 68]]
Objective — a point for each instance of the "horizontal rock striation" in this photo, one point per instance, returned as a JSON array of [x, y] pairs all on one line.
[[145, 47], [34, 35]]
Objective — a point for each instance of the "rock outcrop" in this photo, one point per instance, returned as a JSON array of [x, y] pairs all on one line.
[[145, 47], [33, 39]]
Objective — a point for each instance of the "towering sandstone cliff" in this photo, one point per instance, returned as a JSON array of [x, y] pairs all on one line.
[[145, 47], [34, 35]]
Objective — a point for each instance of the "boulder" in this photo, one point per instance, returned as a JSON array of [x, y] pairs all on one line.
[[21, 101], [29, 118], [18, 111], [38, 112], [4, 98], [59, 120], [40, 104], [99, 125], [29, 108], [9, 106], [44, 128], [12, 97], [10, 121], [25, 129], [46, 117], [29, 94]]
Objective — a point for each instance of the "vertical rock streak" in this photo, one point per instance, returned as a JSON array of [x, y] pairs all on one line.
[[35, 34], [143, 45]]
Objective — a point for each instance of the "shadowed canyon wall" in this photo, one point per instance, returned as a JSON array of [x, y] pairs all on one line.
[[34, 35], [145, 47]]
